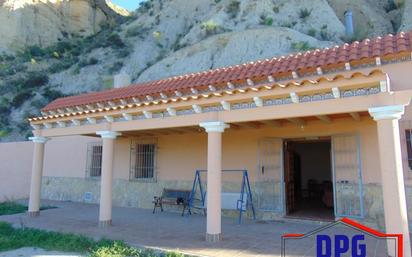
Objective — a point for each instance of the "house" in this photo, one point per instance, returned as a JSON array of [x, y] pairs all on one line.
[[323, 134]]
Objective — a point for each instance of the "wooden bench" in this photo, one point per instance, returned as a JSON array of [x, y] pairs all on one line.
[[172, 197]]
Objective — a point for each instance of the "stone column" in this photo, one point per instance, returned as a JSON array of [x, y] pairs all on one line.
[[36, 175], [394, 199], [105, 211], [214, 131]]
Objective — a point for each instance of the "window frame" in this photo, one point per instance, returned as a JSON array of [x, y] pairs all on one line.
[[408, 141], [90, 159], [134, 142]]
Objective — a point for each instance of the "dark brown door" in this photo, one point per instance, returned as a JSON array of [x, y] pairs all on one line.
[[289, 178]]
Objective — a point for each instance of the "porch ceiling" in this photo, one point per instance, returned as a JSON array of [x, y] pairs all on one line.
[[258, 124]]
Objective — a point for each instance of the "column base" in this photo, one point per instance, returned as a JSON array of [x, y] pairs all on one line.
[[33, 213], [212, 238], [105, 223]]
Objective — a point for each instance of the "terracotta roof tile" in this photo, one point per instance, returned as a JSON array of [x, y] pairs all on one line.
[[299, 62]]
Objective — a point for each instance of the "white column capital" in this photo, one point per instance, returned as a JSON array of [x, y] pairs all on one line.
[[214, 126], [390, 112], [108, 134], [40, 140]]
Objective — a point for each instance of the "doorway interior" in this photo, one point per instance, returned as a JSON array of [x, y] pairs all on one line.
[[308, 179]]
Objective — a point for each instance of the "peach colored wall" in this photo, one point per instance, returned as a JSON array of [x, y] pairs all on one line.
[[180, 155], [406, 123], [15, 169], [66, 156]]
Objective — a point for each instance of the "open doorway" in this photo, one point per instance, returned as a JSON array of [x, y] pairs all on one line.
[[308, 179]]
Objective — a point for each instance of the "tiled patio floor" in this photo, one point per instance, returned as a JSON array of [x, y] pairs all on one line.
[[139, 227]]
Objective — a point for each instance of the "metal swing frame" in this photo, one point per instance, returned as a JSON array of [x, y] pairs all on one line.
[[245, 187]]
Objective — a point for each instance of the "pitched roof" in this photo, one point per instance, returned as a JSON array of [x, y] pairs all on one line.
[[302, 63]]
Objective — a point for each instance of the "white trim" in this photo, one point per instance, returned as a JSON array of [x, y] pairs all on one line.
[[390, 112], [108, 134], [147, 114], [91, 120], [171, 111], [214, 126], [61, 124], [127, 116], [225, 105], [294, 97], [40, 140], [109, 118], [258, 101], [197, 108], [336, 92]]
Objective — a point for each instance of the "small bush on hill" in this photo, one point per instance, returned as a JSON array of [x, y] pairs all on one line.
[[233, 9], [136, 31], [50, 94], [115, 41], [21, 97], [87, 62], [115, 67], [264, 20], [301, 46], [304, 13], [210, 27]]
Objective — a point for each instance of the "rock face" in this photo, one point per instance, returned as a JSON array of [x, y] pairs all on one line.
[[43, 22], [229, 49], [164, 38]]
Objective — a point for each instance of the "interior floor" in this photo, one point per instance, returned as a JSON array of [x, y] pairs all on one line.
[[312, 209], [309, 180]]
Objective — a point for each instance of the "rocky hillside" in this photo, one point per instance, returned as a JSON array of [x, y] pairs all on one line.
[[162, 38]]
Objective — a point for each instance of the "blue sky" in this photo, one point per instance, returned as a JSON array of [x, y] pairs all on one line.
[[130, 5]]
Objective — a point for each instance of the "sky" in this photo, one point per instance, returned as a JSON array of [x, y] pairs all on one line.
[[130, 5]]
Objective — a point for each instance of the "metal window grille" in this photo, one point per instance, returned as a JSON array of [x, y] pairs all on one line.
[[94, 159], [408, 133], [143, 159]]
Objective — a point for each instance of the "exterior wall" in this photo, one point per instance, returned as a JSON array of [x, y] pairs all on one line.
[[180, 155], [15, 169]]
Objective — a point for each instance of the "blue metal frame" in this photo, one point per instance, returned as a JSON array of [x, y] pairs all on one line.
[[197, 182], [360, 179], [281, 207]]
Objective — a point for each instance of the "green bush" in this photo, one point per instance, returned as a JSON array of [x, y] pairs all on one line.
[[35, 80], [87, 62], [233, 8], [51, 94], [122, 53], [304, 13], [324, 35], [390, 6], [210, 27], [115, 67], [312, 32], [21, 97], [301, 46], [114, 41], [6, 57], [264, 20], [62, 65], [269, 21], [137, 30]]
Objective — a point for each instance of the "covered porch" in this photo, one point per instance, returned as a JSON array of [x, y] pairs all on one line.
[[360, 104]]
